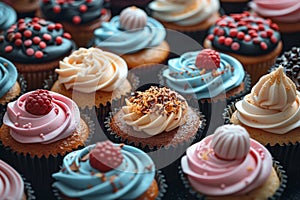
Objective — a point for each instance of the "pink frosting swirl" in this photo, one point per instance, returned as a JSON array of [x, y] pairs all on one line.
[[59, 123], [211, 175], [281, 11], [11, 183]]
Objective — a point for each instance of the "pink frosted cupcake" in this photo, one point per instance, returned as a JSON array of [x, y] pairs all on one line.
[[230, 165]]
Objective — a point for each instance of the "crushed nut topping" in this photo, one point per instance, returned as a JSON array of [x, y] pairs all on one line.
[[157, 100]]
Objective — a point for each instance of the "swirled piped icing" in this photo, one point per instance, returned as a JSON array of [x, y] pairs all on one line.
[[213, 175], [185, 77], [12, 185], [35, 40], [281, 11], [128, 181], [8, 16], [90, 70], [75, 12], [245, 34], [155, 110], [25, 127], [112, 37], [8, 76], [184, 13], [273, 104]]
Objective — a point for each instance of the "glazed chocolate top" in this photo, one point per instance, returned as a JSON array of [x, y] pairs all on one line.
[[290, 60], [8, 16], [73, 11], [34, 40], [244, 34]]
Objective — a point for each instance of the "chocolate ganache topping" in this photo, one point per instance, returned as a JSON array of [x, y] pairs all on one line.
[[73, 11], [34, 40], [290, 61], [245, 34]]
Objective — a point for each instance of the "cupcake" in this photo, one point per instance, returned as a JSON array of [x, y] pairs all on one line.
[[80, 18], [8, 16], [230, 165], [290, 61], [11, 86], [24, 8], [192, 18], [137, 38], [35, 47], [107, 171], [252, 40], [284, 13], [234, 6], [13, 185], [38, 129]]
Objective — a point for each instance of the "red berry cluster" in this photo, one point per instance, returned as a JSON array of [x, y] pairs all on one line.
[[244, 26], [105, 156], [208, 59], [33, 36], [39, 102]]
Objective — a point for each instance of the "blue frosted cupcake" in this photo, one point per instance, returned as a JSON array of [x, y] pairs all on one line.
[[8, 16], [107, 171]]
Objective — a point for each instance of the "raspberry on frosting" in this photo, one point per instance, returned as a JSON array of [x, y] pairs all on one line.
[[208, 59], [39, 102], [105, 156]]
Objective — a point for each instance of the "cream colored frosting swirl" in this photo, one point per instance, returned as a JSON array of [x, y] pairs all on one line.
[[155, 110], [184, 13], [273, 104], [90, 70]]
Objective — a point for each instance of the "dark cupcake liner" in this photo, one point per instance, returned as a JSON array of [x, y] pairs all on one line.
[[234, 6], [99, 112], [28, 190], [23, 85], [286, 153], [162, 156], [38, 170], [213, 109], [278, 193], [159, 177]]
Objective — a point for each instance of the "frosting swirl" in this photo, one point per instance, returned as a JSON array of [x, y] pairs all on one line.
[[12, 186], [216, 176], [155, 110], [128, 181], [245, 34], [111, 37], [75, 12], [90, 70], [8, 76], [59, 123], [273, 104], [184, 13], [8, 16], [281, 11], [183, 76], [35, 40]]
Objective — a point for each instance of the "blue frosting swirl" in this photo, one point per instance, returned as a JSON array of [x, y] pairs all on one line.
[[8, 16], [183, 76], [8, 76], [114, 39], [128, 181]]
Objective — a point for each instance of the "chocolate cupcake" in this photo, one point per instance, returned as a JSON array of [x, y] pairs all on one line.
[[80, 18], [35, 47], [290, 61], [254, 41]]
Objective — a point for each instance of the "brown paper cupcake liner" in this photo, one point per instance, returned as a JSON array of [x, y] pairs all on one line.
[[278, 193], [159, 177], [285, 153], [38, 170]]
